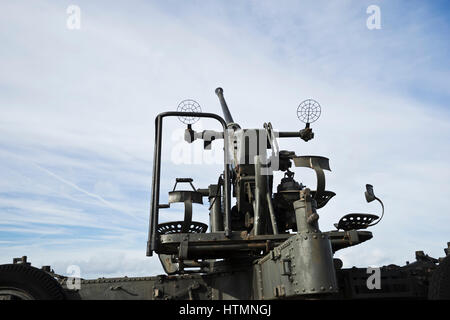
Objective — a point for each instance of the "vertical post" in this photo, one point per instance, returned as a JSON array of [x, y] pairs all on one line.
[[260, 196], [227, 193], [272, 213], [215, 214], [151, 245]]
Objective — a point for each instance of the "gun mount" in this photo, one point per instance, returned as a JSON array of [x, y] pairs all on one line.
[[260, 220], [259, 244]]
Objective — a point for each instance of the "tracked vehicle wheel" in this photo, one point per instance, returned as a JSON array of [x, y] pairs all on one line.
[[22, 282], [439, 288]]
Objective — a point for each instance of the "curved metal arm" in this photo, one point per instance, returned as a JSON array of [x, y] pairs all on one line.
[[370, 196], [382, 213], [318, 164]]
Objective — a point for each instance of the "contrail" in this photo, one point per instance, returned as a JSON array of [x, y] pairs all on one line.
[[93, 195], [74, 186]]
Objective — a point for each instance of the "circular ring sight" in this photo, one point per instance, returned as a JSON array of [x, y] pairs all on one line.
[[189, 105], [308, 111]]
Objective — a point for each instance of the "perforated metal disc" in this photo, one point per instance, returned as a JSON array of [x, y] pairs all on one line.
[[308, 111], [189, 106], [176, 227]]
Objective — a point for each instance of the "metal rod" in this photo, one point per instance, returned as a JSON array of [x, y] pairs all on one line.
[[227, 194], [272, 213], [215, 214], [295, 134]]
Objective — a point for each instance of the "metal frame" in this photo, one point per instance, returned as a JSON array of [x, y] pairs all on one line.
[[155, 205]]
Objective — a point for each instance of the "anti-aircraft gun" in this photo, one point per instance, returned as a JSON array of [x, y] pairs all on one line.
[[269, 241], [263, 245], [260, 220]]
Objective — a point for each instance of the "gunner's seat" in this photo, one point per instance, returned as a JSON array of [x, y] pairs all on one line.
[[188, 197]]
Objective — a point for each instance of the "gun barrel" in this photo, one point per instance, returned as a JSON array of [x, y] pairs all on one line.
[[225, 110]]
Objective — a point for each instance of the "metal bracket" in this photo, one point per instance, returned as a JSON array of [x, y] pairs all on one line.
[[318, 164], [158, 292], [279, 291], [287, 267], [22, 260], [189, 291], [421, 256], [275, 254], [351, 236], [183, 249], [169, 265]]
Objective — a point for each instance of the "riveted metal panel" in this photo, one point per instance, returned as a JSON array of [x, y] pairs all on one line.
[[303, 265]]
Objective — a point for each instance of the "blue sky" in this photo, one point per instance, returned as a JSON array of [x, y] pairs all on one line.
[[77, 110]]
